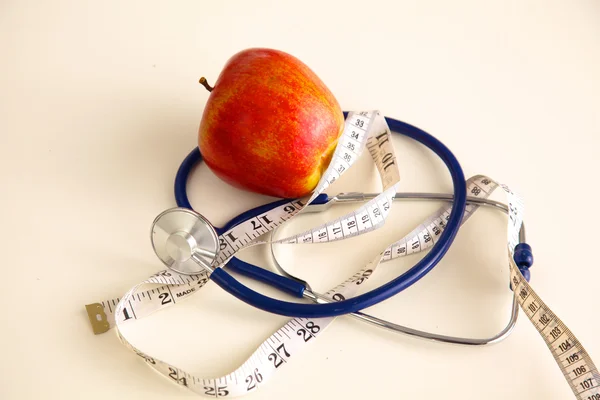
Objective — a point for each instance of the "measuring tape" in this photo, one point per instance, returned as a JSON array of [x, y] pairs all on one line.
[[363, 129]]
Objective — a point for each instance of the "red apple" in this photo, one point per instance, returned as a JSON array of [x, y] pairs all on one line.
[[270, 124]]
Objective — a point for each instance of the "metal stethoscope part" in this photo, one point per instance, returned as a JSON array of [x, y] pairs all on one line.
[[360, 197]]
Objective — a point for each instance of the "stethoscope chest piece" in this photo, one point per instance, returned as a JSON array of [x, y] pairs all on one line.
[[185, 241]]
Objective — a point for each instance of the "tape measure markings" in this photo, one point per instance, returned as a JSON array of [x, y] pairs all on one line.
[[569, 353], [102, 319], [256, 368], [363, 220], [359, 126], [369, 216], [260, 366], [356, 127], [554, 329], [426, 234]]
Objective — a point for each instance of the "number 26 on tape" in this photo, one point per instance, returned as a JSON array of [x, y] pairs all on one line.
[[253, 379]]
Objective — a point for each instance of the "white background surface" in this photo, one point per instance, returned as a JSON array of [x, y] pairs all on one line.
[[100, 103]]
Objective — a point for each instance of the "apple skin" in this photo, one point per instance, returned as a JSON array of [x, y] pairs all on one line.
[[270, 125]]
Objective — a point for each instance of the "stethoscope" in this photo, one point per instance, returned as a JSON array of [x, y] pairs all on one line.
[[184, 233]]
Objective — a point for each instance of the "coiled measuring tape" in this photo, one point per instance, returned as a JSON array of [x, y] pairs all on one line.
[[364, 129]]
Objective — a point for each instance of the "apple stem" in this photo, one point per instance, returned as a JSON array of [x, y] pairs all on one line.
[[204, 83]]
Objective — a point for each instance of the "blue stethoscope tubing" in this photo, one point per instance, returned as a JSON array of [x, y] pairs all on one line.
[[354, 304]]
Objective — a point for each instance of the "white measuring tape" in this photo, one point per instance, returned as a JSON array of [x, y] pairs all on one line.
[[361, 129], [364, 128]]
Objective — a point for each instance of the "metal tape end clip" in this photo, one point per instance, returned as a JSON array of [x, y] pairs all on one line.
[[97, 318]]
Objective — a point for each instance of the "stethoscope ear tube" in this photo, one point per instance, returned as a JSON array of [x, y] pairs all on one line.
[[242, 292]]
